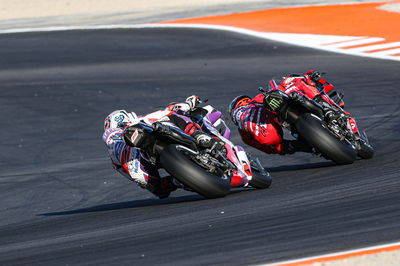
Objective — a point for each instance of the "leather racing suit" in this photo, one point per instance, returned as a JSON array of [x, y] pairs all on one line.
[[133, 164], [260, 128]]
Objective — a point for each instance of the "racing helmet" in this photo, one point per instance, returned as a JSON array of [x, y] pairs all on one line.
[[120, 119], [239, 101]]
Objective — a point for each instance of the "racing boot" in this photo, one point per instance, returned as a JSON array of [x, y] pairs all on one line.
[[163, 187], [299, 145], [205, 141]]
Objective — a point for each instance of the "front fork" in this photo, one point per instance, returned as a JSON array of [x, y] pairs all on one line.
[[247, 164], [351, 124], [242, 175], [359, 136]]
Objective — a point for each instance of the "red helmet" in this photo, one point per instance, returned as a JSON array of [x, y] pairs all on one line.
[[239, 101]]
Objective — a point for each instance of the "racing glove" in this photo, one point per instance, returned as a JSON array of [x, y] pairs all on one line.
[[193, 101], [320, 82], [314, 75]]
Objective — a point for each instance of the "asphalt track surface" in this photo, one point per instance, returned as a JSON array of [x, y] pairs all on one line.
[[63, 204]]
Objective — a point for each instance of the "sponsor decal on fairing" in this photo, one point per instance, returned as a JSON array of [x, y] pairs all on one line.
[[134, 136]]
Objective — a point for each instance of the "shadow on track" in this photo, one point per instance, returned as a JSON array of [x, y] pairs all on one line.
[[138, 204], [284, 168], [127, 205]]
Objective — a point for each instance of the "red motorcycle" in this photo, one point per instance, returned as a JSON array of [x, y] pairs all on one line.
[[320, 122]]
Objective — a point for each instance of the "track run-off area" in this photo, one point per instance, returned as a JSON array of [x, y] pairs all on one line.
[[64, 204]]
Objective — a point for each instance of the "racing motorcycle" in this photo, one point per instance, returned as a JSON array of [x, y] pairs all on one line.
[[326, 127], [209, 171]]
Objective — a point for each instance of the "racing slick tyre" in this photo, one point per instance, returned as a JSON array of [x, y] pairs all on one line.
[[365, 150], [260, 180], [177, 164], [316, 133]]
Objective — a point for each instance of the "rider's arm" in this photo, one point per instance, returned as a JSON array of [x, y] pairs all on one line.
[[192, 129], [116, 147], [184, 123], [259, 98], [112, 135], [325, 87]]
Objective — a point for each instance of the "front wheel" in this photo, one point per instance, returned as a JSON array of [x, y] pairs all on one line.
[[260, 180], [315, 132], [176, 163], [364, 149]]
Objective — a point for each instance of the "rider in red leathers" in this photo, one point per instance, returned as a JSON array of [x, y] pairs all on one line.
[[260, 128]]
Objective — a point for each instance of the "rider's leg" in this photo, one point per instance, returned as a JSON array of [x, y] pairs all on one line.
[[146, 175]]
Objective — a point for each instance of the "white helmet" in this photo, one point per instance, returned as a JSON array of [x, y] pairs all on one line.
[[120, 119]]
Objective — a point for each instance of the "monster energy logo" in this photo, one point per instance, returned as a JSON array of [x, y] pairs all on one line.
[[274, 103]]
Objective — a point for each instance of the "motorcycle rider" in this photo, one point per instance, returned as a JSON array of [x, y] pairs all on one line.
[[122, 137], [129, 161], [260, 128]]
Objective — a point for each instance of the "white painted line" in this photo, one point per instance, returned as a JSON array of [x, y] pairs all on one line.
[[375, 47], [356, 42], [306, 39], [337, 255], [294, 39], [349, 39], [388, 52]]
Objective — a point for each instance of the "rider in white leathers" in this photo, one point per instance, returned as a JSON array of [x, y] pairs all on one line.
[[132, 163]]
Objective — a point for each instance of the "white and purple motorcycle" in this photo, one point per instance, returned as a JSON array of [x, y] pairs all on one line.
[[210, 172]]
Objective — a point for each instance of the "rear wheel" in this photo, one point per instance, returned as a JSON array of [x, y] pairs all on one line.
[[316, 133], [176, 163]]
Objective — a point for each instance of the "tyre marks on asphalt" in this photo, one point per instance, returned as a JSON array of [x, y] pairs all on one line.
[[356, 29]]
